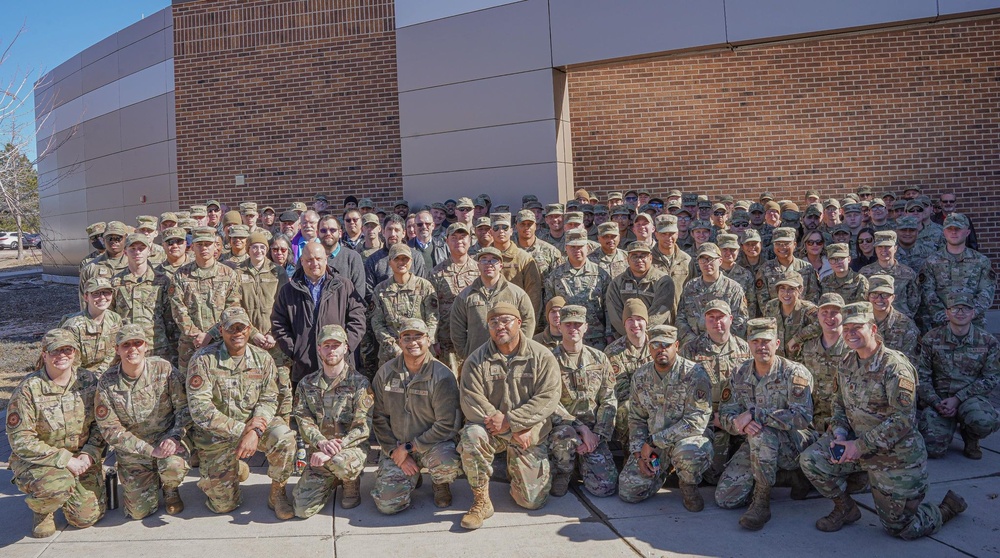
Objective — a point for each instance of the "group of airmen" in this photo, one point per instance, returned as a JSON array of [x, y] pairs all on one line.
[[620, 345]]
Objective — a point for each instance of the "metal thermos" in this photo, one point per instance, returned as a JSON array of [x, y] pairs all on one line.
[[111, 487]]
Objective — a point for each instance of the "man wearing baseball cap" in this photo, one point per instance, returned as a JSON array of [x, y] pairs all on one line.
[[710, 285], [898, 331], [642, 281], [956, 266], [449, 279], [546, 256]]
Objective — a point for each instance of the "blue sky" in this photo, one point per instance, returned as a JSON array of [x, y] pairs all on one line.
[[55, 30]]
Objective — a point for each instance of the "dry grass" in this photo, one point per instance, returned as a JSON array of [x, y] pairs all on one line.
[[9, 261]]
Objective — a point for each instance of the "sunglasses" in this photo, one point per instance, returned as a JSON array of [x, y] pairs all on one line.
[[866, 240], [719, 214], [741, 224], [915, 210], [815, 242], [501, 227]]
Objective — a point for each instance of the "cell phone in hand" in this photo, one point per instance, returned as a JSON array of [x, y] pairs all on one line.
[[654, 462], [837, 451]]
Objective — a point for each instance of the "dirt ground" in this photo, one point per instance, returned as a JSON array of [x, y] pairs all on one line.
[[9, 261], [28, 308]]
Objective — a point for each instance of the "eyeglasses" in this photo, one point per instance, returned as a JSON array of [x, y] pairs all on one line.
[[866, 240], [132, 343], [500, 321], [640, 256], [915, 210], [960, 309], [67, 350], [216, 210], [114, 238], [328, 231], [175, 241], [880, 296], [237, 328], [407, 339], [489, 261], [501, 227], [104, 293], [815, 242], [719, 213], [741, 224]]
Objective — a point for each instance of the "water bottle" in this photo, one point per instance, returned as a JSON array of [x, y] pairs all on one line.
[[300, 456]]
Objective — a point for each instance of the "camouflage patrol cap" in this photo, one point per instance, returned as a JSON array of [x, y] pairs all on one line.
[[674, 204], [502, 208], [168, 216], [913, 189], [232, 316], [130, 332], [956, 220], [95, 284], [719, 206], [555, 302], [572, 205], [456, 227], [482, 222], [719, 305], [839, 250], [204, 234], [587, 208], [882, 283], [573, 314], [766, 197], [573, 217], [413, 324], [621, 210], [663, 334], [756, 207], [791, 278], [750, 235], [528, 198], [704, 203], [181, 215], [503, 309], [762, 328], [210, 203], [174, 232], [814, 210], [899, 205], [140, 238], [576, 237], [790, 215], [483, 200], [643, 215], [198, 211], [146, 222], [783, 234], [368, 219], [728, 241], [232, 218], [888, 194], [489, 251], [400, 249], [96, 229], [465, 203], [831, 202], [743, 205], [320, 197], [842, 228], [635, 307], [366, 203], [831, 299], [638, 246], [525, 215], [959, 297], [885, 238], [863, 190], [535, 205], [332, 332], [709, 249], [57, 339], [615, 196], [907, 222], [858, 313], [876, 202], [666, 224], [239, 231], [299, 207], [608, 228], [500, 218], [187, 224], [401, 203], [248, 208], [700, 224], [674, 193], [812, 194], [267, 208], [116, 228]]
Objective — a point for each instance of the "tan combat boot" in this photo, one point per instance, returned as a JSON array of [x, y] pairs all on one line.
[[172, 501], [442, 495], [760, 509], [951, 506], [43, 525], [278, 501], [692, 498], [845, 511], [560, 484], [352, 493], [244, 470], [972, 449], [482, 508]]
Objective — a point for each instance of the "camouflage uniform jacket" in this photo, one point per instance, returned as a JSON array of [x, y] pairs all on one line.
[[824, 363], [666, 409], [546, 236], [853, 287], [914, 256], [97, 340], [781, 399], [615, 264], [585, 287], [719, 361], [525, 386], [225, 392], [136, 415], [655, 289], [588, 391], [395, 302], [795, 326], [904, 284], [520, 269], [677, 266], [198, 296], [772, 271], [103, 266], [625, 360], [90, 258], [745, 278], [421, 408], [546, 338], [227, 258], [449, 280], [969, 270], [932, 235], [143, 301], [698, 293], [546, 256], [899, 333], [258, 289], [468, 314], [338, 408], [49, 424], [962, 367], [875, 400]]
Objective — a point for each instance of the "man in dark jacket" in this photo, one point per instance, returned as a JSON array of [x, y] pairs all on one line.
[[315, 296]]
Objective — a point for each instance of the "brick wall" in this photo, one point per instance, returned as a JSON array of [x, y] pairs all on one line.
[[886, 110], [298, 96]]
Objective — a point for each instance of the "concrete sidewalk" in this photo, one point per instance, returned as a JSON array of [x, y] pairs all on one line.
[[574, 525]]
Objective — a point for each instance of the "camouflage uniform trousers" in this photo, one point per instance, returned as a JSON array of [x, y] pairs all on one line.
[[597, 468], [530, 477], [898, 493], [142, 477], [185, 352], [219, 469], [724, 445], [690, 457], [393, 487], [620, 436], [317, 483], [284, 380], [82, 498], [758, 460], [976, 415]]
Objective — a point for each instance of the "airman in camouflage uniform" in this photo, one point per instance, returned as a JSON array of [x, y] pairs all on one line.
[[199, 293], [710, 285], [585, 420], [627, 354], [551, 337], [165, 271], [149, 226], [956, 266], [232, 396], [907, 298], [668, 257], [852, 286], [510, 387], [518, 267], [729, 246], [449, 279], [333, 410], [874, 421], [111, 261], [642, 281], [582, 282], [95, 232], [914, 255], [671, 405], [142, 411], [610, 258], [140, 296], [95, 327], [792, 315], [56, 447], [898, 331], [822, 355], [959, 367], [546, 256], [416, 419], [784, 262], [402, 296], [719, 351], [772, 405]]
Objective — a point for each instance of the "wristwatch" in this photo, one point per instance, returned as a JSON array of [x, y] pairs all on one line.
[[260, 433], [408, 446]]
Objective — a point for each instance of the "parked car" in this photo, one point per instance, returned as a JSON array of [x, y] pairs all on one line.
[[31, 240], [8, 239]]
